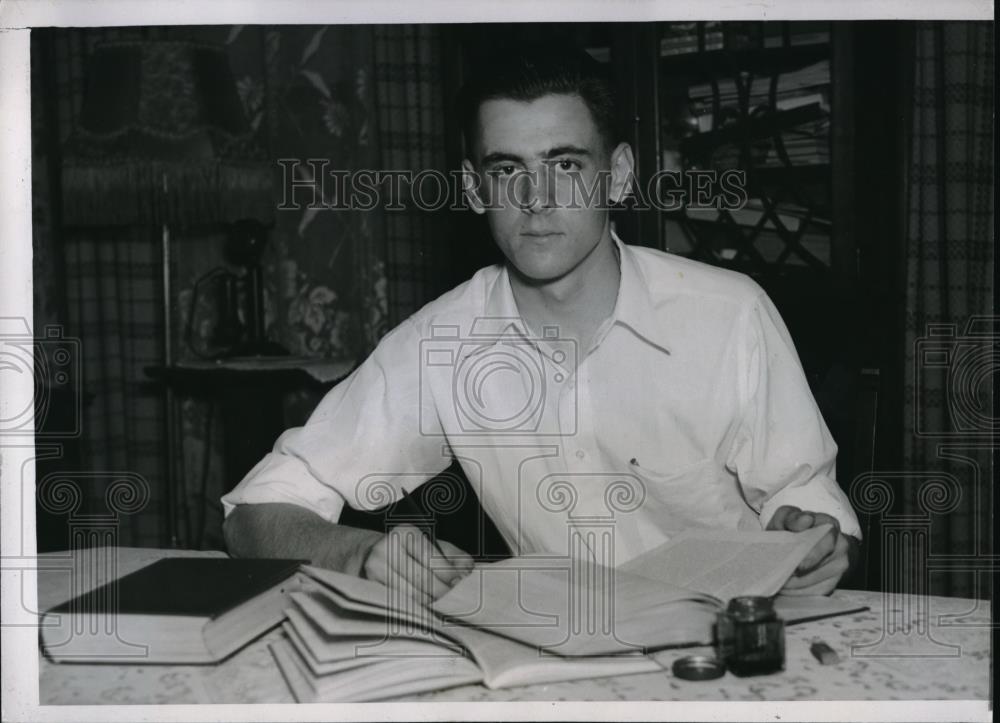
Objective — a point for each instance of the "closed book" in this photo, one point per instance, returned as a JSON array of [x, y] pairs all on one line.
[[176, 611]]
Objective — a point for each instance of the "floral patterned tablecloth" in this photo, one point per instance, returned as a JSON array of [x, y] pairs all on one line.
[[903, 648]]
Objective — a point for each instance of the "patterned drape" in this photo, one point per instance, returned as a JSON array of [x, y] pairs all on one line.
[[101, 286], [411, 127], [355, 96], [951, 355]]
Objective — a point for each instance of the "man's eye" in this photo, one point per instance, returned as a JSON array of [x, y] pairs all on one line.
[[507, 170], [566, 164]]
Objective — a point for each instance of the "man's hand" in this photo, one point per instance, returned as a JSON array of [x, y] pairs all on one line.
[[826, 563], [405, 559]]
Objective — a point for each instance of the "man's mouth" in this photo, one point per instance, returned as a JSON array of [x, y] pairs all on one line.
[[540, 234]]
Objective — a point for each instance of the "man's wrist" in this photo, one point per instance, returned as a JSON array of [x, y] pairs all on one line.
[[349, 550]]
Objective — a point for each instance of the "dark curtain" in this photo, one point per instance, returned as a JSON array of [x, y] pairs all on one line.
[[951, 335], [100, 285], [411, 131]]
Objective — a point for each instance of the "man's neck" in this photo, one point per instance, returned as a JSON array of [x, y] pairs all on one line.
[[576, 303]]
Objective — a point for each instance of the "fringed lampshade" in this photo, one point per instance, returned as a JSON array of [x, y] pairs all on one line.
[[162, 138]]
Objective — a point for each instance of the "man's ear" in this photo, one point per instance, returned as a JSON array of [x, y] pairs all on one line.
[[622, 164], [470, 186]]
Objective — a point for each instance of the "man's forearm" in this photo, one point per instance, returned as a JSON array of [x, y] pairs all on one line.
[[283, 530]]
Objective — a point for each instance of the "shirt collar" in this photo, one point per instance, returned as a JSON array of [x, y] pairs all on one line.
[[634, 307]]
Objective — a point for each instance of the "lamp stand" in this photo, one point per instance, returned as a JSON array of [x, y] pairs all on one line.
[[169, 433], [174, 486]]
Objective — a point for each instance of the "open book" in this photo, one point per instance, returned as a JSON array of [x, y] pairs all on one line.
[[724, 563], [350, 640], [526, 620]]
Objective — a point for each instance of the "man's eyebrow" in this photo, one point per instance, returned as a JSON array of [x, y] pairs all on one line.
[[502, 156], [566, 151]]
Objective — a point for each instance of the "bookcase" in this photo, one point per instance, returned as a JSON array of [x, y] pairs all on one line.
[[765, 102]]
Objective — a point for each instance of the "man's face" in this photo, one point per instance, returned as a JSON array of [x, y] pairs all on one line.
[[526, 156]]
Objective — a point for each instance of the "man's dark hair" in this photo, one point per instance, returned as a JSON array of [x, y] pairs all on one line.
[[530, 72]]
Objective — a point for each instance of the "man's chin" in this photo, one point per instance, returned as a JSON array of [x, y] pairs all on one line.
[[539, 274]]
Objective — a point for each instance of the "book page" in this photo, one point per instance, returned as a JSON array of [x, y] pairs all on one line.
[[337, 621], [368, 597], [318, 667], [326, 647], [331, 640], [506, 663], [390, 678], [728, 563], [577, 608]]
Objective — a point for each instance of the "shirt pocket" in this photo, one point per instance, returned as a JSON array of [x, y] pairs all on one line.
[[701, 494]]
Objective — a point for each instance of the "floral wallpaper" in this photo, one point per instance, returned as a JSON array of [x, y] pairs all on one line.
[[307, 95]]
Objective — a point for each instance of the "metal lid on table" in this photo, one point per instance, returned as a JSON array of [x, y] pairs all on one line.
[[698, 667]]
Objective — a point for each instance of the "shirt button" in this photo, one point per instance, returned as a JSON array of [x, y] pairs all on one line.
[[580, 454]]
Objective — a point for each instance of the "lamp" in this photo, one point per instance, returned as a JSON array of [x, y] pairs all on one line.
[[162, 140]]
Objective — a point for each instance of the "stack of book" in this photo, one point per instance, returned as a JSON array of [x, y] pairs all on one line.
[[682, 38], [803, 86], [523, 621], [806, 143], [352, 640], [528, 620]]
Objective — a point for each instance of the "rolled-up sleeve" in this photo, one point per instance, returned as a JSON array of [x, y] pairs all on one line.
[[783, 453], [369, 423]]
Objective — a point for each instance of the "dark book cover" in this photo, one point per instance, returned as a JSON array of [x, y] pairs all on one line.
[[188, 586]]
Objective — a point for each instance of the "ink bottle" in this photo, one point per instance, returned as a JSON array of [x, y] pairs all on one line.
[[750, 637]]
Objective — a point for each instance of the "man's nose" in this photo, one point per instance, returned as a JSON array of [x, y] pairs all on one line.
[[538, 191]]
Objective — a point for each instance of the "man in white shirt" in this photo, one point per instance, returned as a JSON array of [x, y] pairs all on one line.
[[584, 380]]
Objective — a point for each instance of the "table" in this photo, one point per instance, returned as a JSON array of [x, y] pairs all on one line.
[[250, 393], [944, 655]]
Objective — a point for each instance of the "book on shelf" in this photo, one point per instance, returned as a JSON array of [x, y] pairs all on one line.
[[528, 620], [183, 610], [803, 80], [707, 121], [682, 38]]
